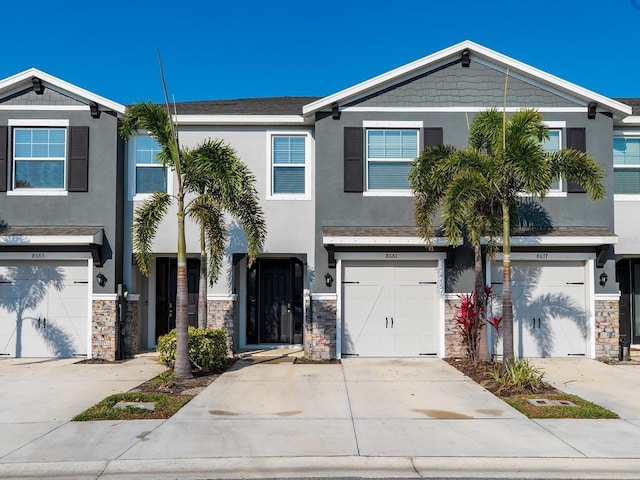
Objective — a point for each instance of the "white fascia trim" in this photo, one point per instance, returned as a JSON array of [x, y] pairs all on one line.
[[61, 84], [52, 239], [48, 108], [556, 124], [392, 124], [631, 120], [607, 296], [466, 109], [104, 296], [324, 296], [620, 197], [387, 241], [219, 297], [626, 133], [546, 241], [479, 50], [239, 119], [38, 122]]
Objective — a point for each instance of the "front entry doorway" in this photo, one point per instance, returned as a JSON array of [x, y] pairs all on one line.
[[628, 277], [166, 286], [274, 301]]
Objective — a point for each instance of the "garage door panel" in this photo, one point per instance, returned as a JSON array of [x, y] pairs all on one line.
[[549, 303], [392, 310], [44, 308]]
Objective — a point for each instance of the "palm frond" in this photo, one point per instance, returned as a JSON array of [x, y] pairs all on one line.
[[581, 168], [146, 220], [213, 223]]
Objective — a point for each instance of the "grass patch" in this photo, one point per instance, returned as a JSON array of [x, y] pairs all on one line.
[[166, 406], [582, 410]]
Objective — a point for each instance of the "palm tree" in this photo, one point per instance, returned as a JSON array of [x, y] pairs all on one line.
[[220, 183], [443, 178], [480, 187]]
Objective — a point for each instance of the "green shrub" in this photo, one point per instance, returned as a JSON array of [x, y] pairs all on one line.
[[207, 349], [518, 374]]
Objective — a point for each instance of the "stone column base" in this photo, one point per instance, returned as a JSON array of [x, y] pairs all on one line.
[[222, 314], [320, 337]]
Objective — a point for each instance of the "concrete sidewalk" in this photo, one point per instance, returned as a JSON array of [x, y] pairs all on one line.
[[413, 418]]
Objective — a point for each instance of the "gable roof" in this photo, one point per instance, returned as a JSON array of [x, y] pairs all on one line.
[[454, 53], [22, 79], [246, 106]]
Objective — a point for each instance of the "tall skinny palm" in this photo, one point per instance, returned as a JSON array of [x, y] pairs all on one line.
[[217, 185], [519, 165], [479, 187]]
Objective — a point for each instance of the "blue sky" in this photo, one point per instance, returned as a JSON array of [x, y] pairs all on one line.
[[245, 48]]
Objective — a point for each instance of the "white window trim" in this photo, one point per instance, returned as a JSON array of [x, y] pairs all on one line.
[[131, 159], [559, 192], [308, 155], [626, 197], [387, 125], [39, 123]]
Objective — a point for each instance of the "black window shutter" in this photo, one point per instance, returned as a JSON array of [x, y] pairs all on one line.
[[3, 158], [78, 180], [433, 136], [353, 159], [577, 140]]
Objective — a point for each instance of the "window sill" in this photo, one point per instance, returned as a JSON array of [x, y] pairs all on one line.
[[387, 193], [556, 194], [37, 193], [304, 197], [626, 197]]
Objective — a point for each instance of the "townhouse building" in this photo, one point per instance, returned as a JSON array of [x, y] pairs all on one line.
[[343, 271]]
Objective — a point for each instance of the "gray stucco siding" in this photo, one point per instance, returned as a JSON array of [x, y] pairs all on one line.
[[97, 207]]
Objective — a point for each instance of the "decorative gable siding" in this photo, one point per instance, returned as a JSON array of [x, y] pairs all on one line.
[[48, 97], [455, 86]]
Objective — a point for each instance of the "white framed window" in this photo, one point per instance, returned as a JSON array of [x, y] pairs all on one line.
[[554, 144], [289, 168], [626, 166], [389, 151], [149, 175], [39, 156]]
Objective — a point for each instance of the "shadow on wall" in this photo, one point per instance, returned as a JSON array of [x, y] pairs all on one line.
[[23, 294], [548, 324], [237, 244]]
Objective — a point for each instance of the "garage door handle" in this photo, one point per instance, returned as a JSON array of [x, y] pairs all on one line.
[[349, 282], [538, 322], [427, 283], [575, 283], [391, 322], [386, 322]]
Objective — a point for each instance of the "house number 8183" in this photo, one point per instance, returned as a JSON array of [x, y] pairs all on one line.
[[38, 255]]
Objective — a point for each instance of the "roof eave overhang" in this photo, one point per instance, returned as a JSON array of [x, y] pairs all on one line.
[[12, 82], [557, 241], [187, 119], [617, 108], [53, 240]]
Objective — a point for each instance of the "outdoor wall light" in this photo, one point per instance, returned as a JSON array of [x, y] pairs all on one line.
[[603, 279], [591, 110], [328, 280], [102, 280]]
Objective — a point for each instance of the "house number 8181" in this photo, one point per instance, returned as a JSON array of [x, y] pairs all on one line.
[[391, 255]]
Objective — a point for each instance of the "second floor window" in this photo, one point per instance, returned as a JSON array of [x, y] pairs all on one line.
[[288, 156], [389, 153], [626, 166], [554, 144], [151, 175], [39, 156]]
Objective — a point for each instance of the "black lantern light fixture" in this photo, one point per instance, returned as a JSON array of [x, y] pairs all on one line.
[[591, 110], [466, 59], [335, 111], [603, 279], [328, 280], [102, 280], [38, 87], [94, 109]]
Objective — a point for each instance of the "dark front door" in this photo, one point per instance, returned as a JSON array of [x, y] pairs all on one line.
[[166, 286], [628, 277], [274, 302]]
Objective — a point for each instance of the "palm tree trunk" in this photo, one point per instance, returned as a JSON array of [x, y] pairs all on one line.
[[482, 353], [202, 287], [182, 368], [507, 305]]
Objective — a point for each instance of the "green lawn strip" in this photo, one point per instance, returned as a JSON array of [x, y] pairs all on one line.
[[166, 406], [582, 410]]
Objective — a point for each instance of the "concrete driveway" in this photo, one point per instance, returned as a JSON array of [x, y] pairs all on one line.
[[46, 390]]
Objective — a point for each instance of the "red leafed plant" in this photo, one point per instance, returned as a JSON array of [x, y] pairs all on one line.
[[467, 323]]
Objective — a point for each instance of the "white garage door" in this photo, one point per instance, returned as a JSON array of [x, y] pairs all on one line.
[[549, 307], [390, 308], [43, 308]]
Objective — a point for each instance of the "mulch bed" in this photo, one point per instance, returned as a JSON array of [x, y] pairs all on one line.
[[479, 373]]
